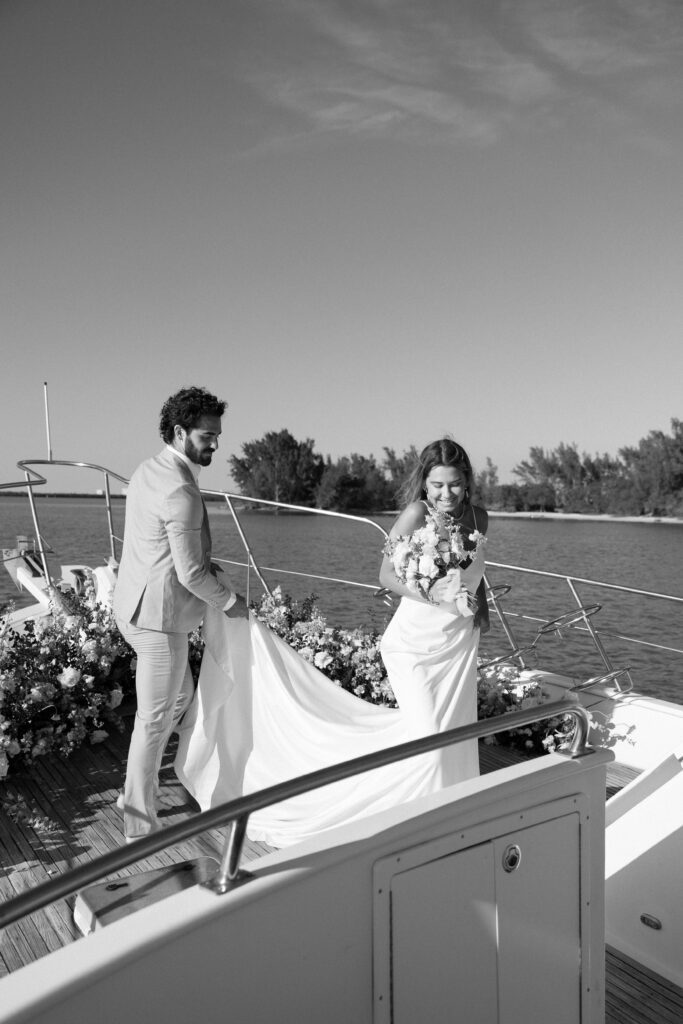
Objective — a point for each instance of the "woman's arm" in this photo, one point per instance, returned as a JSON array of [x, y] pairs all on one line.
[[411, 519]]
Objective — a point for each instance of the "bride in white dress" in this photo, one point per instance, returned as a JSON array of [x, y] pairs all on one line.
[[262, 714]]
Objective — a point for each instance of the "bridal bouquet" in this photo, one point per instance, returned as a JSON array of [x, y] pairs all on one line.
[[426, 557]]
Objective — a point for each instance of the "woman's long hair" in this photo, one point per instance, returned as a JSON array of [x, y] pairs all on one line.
[[444, 452]]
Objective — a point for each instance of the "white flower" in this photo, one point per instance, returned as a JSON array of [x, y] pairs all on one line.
[[115, 698], [69, 677], [89, 649], [400, 553], [98, 736], [8, 684], [4, 764], [426, 566], [428, 534], [412, 578], [322, 660]]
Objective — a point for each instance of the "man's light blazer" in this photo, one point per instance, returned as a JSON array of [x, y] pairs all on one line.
[[164, 579]]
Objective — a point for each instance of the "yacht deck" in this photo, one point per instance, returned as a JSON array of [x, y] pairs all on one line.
[[63, 813]]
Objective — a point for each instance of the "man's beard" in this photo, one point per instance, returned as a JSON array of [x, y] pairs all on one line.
[[200, 458]]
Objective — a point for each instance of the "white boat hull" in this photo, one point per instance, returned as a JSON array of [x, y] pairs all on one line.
[[423, 907]]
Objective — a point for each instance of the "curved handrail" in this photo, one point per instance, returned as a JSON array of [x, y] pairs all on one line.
[[580, 579], [26, 464], [585, 625], [297, 508], [251, 563], [37, 479], [601, 680], [571, 618], [236, 812]]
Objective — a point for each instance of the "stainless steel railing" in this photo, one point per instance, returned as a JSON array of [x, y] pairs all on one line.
[[34, 479], [251, 563], [578, 618], [236, 813]]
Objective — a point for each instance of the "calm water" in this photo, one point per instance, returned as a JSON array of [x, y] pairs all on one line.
[[647, 556]]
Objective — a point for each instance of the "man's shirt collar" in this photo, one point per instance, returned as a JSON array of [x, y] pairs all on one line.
[[194, 468]]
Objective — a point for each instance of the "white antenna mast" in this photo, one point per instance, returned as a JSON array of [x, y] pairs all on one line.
[[47, 423]]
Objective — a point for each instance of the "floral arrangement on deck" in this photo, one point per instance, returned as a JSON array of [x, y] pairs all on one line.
[[349, 657], [502, 688], [63, 678]]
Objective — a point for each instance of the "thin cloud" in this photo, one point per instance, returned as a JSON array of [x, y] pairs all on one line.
[[388, 73], [461, 70]]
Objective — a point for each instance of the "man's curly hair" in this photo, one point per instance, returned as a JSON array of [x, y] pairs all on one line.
[[186, 408]]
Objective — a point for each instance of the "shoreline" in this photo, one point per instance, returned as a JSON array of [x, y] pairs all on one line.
[[604, 517]]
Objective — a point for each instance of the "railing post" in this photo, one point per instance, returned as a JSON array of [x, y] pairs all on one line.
[[229, 873], [579, 743], [591, 629], [110, 520], [502, 618], [245, 542], [39, 536]]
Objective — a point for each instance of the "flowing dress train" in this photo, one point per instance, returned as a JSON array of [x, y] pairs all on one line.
[[262, 714]]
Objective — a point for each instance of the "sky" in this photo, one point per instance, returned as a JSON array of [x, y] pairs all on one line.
[[371, 223]]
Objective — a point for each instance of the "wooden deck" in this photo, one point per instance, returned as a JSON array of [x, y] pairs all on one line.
[[76, 820], [635, 995], [74, 801]]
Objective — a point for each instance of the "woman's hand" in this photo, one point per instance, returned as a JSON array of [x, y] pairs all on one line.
[[449, 593], [446, 589]]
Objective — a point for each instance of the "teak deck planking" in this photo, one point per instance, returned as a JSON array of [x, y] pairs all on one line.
[[77, 795]]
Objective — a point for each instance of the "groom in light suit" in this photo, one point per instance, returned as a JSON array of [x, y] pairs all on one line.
[[165, 580]]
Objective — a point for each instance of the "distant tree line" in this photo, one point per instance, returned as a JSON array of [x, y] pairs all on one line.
[[643, 480], [279, 468]]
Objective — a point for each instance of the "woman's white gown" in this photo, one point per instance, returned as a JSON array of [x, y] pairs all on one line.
[[262, 714]]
